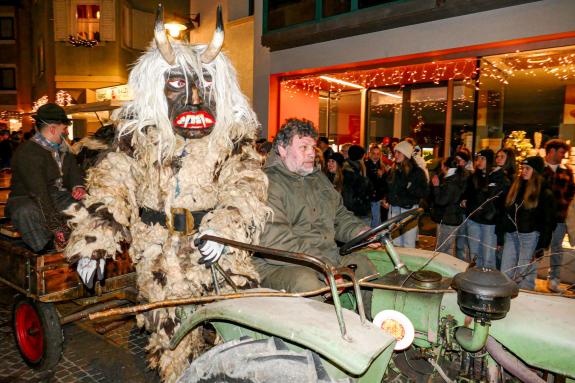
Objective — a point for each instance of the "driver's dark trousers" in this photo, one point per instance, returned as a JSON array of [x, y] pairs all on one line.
[[297, 279], [27, 216]]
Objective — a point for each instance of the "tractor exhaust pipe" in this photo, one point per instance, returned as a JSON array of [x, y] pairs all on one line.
[[509, 362]]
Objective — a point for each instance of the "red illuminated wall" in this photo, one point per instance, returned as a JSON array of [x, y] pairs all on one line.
[[299, 105]]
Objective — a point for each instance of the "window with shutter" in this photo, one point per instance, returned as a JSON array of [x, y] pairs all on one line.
[[85, 19], [60, 10], [108, 20]]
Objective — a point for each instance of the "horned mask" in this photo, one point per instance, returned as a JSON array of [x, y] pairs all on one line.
[[190, 108]]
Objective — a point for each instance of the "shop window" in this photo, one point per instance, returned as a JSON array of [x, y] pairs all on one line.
[[7, 78], [344, 119], [462, 112], [528, 92], [426, 117], [283, 13], [88, 21], [384, 114], [417, 111], [335, 7], [6, 28]]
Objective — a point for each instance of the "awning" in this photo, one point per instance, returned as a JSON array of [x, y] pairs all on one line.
[[94, 106]]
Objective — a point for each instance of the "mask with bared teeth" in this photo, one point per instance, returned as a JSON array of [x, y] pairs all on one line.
[[191, 115]]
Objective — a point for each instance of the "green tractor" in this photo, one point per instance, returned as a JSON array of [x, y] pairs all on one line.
[[435, 319]]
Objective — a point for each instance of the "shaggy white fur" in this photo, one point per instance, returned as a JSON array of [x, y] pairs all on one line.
[[159, 170]]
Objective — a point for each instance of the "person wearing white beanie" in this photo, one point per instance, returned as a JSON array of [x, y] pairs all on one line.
[[407, 185], [405, 148]]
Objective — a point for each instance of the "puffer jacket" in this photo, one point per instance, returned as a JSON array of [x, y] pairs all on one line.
[[308, 214]]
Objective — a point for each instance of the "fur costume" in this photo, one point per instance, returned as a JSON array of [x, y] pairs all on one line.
[[159, 162]]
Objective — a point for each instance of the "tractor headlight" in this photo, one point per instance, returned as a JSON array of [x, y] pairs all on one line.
[[398, 326]]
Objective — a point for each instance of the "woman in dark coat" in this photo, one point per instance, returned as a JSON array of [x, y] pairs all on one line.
[[407, 185], [485, 188], [446, 211], [528, 222]]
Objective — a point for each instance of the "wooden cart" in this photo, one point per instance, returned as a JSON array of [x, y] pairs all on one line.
[[43, 280]]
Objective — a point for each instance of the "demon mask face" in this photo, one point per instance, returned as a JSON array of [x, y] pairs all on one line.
[[191, 114], [190, 108]]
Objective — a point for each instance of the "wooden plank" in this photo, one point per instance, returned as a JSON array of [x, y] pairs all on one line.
[[50, 274], [14, 264], [64, 276]]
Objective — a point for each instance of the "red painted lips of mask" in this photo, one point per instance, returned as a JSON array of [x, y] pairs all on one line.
[[195, 120]]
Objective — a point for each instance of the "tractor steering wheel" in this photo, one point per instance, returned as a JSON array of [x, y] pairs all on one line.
[[362, 239]]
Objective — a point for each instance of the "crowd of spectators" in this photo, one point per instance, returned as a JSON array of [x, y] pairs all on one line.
[[487, 209]]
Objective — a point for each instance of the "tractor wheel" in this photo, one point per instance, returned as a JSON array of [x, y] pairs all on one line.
[[38, 333], [256, 361]]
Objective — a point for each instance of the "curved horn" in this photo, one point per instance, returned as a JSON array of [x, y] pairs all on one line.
[[161, 38], [217, 40]]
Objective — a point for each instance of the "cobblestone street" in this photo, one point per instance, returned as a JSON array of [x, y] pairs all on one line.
[[117, 356]]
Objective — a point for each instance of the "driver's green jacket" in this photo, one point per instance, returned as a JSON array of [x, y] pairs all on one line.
[[308, 214]]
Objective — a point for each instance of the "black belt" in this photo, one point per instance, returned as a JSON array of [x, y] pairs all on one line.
[[180, 220]]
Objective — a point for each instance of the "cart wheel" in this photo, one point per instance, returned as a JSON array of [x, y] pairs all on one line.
[[38, 333]]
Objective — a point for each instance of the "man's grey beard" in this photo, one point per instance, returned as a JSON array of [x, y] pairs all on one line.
[[304, 172]]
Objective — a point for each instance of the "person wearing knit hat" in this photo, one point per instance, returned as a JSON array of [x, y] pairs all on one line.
[[462, 155], [355, 152], [334, 170], [337, 157], [528, 222], [407, 185], [405, 148], [489, 156], [483, 201], [535, 162]]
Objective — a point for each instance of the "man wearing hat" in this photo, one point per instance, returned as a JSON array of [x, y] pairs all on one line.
[[46, 179]]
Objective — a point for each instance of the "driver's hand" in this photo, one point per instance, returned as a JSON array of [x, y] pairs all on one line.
[[374, 245]]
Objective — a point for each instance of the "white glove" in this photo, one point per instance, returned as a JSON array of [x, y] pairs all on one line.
[[87, 270], [211, 251]]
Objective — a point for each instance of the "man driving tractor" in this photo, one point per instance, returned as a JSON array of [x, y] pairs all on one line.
[[308, 214]]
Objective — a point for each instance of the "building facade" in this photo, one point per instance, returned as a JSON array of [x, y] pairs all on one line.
[[15, 80], [448, 73]]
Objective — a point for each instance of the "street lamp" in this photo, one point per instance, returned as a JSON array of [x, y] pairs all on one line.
[[175, 28]]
